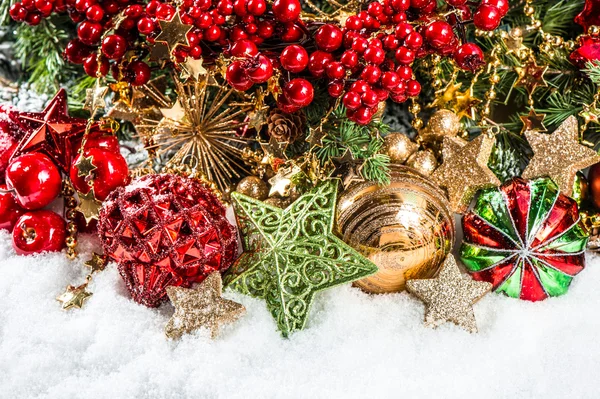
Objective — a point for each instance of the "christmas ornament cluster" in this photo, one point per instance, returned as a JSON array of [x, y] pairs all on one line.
[[276, 108]]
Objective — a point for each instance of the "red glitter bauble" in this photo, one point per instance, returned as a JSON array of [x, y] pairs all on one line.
[[165, 230]]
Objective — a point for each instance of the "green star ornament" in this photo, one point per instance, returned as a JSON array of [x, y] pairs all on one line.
[[290, 254]]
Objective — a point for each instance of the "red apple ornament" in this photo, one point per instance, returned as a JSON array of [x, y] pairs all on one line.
[[35, 180], [10, 210], [39, 231]]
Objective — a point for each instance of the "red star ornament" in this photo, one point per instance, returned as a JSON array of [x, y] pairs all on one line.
[[590, 14], [51, 131]]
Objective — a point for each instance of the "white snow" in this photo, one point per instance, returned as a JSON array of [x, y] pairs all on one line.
[[355, 345]]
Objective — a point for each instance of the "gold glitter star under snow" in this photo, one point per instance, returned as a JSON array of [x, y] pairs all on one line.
[[203, 307], [74, 296], [174, 32], [559, 155], [450, 296], [464, 169]]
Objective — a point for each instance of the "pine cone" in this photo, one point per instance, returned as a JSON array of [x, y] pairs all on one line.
[[286, 127]]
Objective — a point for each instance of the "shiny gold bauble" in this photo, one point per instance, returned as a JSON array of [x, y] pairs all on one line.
[[594, 181], [406, 228], [253, 187], [398, 147], [423, 162], [442, 123], [580, 189]]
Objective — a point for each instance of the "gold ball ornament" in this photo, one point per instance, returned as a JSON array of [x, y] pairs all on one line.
[[442, 123], [253, 187], [398, 147], [406, 228], [423, 162]]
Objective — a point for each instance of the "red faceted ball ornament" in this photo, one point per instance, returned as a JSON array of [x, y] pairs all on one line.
[[165, 230]]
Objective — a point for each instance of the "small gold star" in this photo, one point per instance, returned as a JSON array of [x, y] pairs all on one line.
[[347, 169], [274, 149], [175, 113], [94, 98], [192, 68], [590, 113], [88, 205], [446, 96], [315, 136], [174, 32], [531, 76], [259, 115], [85, 167], [97, 263], [533, 122], [281, 183], [559, 155], [464, 169], [74, 296], [465, 104], [199, 308], [450, 296]]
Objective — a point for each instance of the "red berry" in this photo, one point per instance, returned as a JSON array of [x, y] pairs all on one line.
[[400, 5], [237, 77], [10, 210], [318, 61], [77, 52], [335, 89], [243, 49], [265, 29], [294, 58], [363, 115], [213, 33], [391, 42], [413, 41], [95, 13], [439, 34], [225, 7], [349, 58], [374, 55], [487, 17], [404, 55], [501, 5], [292, 33], [353, 23], [257, 7], [284, 104], [371, 74], [360, 44], [299, 92], [35, 180], [286, 10], [360, 86], [335, 70], [389, 80], [419, 3], [375, 9], [90, 66], [469, 57], [17, 12], [402, 30], [404, 72], [111, 172], [455, 3], [146, 26], [370, 98], [140, 73], [39, 231], [259, 69], [413, 88], [329, 37], [114, 46], [352, 100]]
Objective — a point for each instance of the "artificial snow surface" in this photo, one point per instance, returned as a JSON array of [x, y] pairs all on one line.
[[355, 345]]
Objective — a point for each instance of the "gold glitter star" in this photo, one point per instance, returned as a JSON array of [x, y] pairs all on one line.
[[85, 167], [465, 104], [97, 263], [258, 117], [531, 76], [74, 296], [464, 169], [192, 68], [203, 307], [94, 98], [533, 122], [281, 183], [88, 205], [174, 32], [450, 296], [559, 155]]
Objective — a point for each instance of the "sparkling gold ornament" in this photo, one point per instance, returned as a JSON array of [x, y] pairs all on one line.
[[559, 155], [423, 162], [174, 32], [464, 169], [398, 147], [253, 187], [406, 228], [465, 104], [97, 263], [74, 297], [450, 296], [531, 76], [533, 122], [442, 123], [202, 307]]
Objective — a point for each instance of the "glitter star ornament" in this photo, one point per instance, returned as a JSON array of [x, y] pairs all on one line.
[[74, 297], [450, 296], [290, 255], [201, 308], [559, 155], [533, 122], [174, 32], [464, 169], [51, 131], [531, 76]]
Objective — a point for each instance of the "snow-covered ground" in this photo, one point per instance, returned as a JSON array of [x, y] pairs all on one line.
[[356, 345]]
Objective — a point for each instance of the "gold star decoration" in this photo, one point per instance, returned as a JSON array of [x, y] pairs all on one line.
[[202, 307], [464, 169], [74, 296], [88, 205], [192, 68], [159, 52], [559, 155], [450, 296], [94, 98], [347, 169], [533, 122], [174, 32], [97, 263], [281, 183], [531, 76], [465, 104], [85, 167], [590, 113], [446, 96], [258, 117], [175, 113], [274, 150]]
